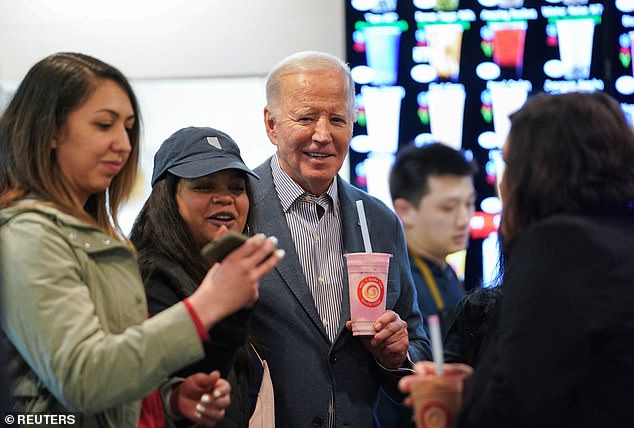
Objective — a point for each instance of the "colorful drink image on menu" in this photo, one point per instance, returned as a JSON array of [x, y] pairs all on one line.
[[505, 45], [382, 108], [505, 98], [446, 5], [442, 107], [574, 29], [381, 41], [374, 6], [575, 36], [504, 39], [439, 38], [444, 42]]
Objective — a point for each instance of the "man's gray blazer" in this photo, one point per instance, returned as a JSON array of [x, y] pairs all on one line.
[[305, 367]]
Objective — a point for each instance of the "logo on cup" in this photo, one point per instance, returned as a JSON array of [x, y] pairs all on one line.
[[435, 414], [370, 291]]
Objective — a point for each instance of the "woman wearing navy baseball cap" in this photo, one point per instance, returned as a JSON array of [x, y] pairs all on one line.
[[200, 191]]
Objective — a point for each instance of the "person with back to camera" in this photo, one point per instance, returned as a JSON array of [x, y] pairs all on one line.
[[433, 195], [200, 192], [323, 376], [562, 354], [75, 313]]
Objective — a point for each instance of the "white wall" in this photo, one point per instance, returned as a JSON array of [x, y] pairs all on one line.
[[169, 38]]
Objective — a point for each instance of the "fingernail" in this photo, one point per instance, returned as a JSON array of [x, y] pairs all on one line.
[[280, 253], [198, 415], [273, 239], [205, 398], [260, 235], [200, 407], [217, 394]]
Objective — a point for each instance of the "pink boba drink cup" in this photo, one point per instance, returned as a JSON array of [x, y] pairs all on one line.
[[367, 280]]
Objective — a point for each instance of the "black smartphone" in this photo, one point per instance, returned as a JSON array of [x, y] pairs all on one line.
[[217, 250]]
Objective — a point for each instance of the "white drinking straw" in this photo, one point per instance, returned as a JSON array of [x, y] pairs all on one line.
[[436, 342], [364, 227]]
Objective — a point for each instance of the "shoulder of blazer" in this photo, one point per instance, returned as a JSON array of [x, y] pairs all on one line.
[[348, 195], [263, 187]]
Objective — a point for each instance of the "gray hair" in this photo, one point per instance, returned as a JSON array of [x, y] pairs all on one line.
[[306, 61]]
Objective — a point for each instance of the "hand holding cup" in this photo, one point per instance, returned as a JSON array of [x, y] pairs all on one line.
[[435, 398], [390, 343]]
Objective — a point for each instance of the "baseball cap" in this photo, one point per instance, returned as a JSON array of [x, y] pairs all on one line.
[[195, 152]]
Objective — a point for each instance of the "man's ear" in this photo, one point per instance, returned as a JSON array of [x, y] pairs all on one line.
[[403, 209], [269, 125]]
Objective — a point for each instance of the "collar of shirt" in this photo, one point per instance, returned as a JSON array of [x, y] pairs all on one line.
[[289, 191]]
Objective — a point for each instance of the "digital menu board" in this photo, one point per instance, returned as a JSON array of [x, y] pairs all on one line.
[[621, 72], [453, 70]]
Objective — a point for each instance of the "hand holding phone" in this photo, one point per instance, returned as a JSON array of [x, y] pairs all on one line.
[[218, 249], [233, 284]]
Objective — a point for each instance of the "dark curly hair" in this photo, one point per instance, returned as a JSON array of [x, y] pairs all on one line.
[[568, 153]]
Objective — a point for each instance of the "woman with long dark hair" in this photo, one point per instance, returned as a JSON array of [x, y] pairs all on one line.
[[200, 191]]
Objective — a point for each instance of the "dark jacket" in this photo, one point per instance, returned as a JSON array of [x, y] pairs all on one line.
[[563, 354], [469, 329], [167, 283]]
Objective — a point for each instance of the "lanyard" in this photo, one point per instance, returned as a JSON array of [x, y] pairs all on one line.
[[429, 280]]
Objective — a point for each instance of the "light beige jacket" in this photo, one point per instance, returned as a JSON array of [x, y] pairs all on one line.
[[76, 317]]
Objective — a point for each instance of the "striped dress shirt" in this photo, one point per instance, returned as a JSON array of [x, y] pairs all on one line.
[[318, 242]]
